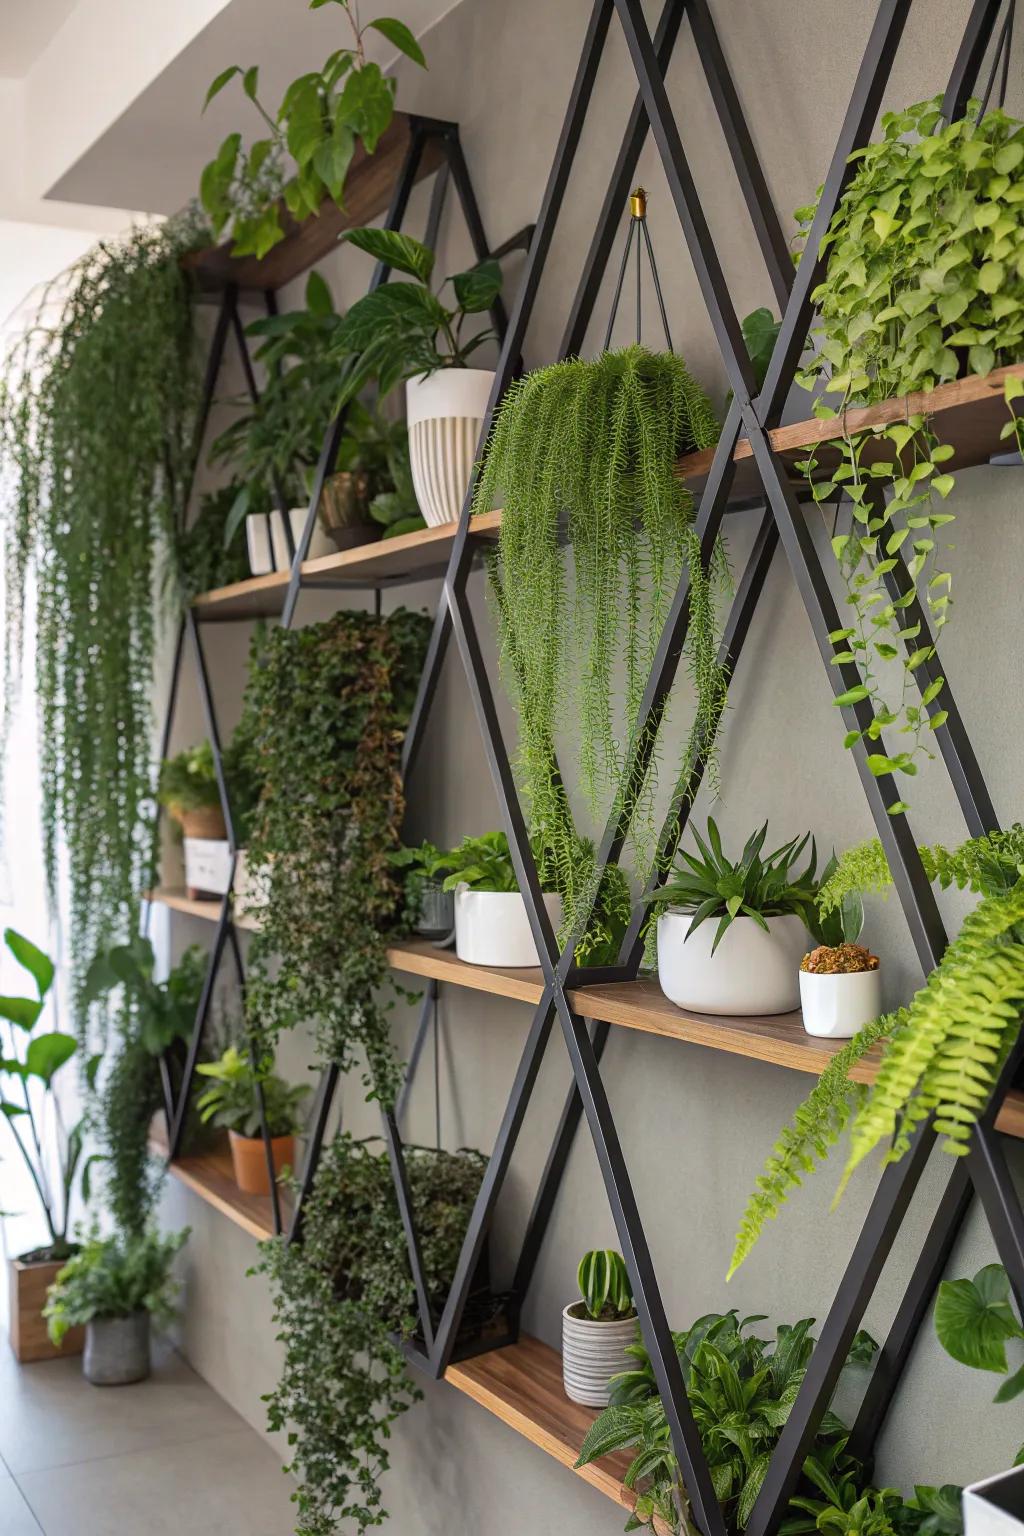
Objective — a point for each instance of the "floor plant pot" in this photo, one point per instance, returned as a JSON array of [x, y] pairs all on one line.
[[117, 1350], [995, 1506], [207, 866], [249, 1160], [751, 971], [835, 1007], [492, 928], [445, 412], [27, 1283], [592, 1353]]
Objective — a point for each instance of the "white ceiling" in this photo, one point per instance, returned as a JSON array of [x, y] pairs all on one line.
[[26, 26]]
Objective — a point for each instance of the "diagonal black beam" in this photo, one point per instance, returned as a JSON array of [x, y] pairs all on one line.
[[975, 41], [400, 1175], [471, 213], [314, 1146], [198, 1029]]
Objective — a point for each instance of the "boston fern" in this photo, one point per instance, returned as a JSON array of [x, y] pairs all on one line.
[[324, 719], [343, 1300], [109, 362]]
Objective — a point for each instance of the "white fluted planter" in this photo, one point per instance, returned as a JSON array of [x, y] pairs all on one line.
[[492, 928], [751, 972], [444, 413], [592, 1353], [835, 1007]]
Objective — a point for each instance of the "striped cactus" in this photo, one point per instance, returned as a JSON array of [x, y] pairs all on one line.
[[604, 1282]]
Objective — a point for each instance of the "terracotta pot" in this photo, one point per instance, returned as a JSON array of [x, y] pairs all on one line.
[[249, 1160], [27, 1291], [206, 822]]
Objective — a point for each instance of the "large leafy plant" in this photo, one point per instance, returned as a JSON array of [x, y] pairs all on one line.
[[231, 1102], [582, 458], [974, 1321], [343, 1301], [114, 1277], [924, 282], [29, 1062], [97, 417], [305, 155], [325, 717]]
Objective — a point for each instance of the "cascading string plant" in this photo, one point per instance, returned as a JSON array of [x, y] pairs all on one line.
[[924, 284]]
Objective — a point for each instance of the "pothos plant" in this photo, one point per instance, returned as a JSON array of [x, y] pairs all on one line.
[[588, 449], [110, 362], [941, 1054], [325, 716], [974, 1322], [924, 283], [305, 155], [343, 1302]]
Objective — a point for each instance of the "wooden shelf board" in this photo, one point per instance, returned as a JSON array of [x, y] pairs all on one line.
[[409, 557], [779, 1039], [368, 188], [202, 907], [209, 1175], [522, 1385], [966, 413]]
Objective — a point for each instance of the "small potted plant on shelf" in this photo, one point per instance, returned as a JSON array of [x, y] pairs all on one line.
[[188, 789], [598, 1330], [405, 331], [116, 1287], [731, 934], [491, 923], [840, 981], [31, 1060], [431, 907], [232, 1103]]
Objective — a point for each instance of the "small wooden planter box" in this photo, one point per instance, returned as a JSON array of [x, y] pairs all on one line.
[[29, 1338]]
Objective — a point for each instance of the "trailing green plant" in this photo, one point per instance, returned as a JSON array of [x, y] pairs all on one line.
[[188, 782], [588, 450], [109, 361], [114, 1277], [340, 1300], [974, 1321], [29, 1061], [988, 865], [404, 330], [205, 562], [305, 157], [327, 710], [604, 1286], [923, 284], [231, 1102], [482, 863], [741, 1389]]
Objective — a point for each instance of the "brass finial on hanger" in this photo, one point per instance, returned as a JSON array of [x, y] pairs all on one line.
[[638, 203], [638, 230]]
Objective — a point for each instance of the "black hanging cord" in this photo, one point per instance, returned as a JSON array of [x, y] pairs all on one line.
[[638, 228]]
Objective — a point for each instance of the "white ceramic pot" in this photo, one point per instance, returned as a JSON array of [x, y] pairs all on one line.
[[492, 928], [995, 1506], [445, 413], [835, 1007], [319, 543], [207, 865], [751, 972], [592, 1353], [257, 542]]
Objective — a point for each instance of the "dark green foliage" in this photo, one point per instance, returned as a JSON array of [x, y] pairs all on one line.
[[203, 561], [974, 1320], [328, 710], [338, 1300], [483, 863], [188, 781], [114, 1277], [97, 414]]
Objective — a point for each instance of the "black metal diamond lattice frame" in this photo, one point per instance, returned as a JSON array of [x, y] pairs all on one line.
[[984, 1172]]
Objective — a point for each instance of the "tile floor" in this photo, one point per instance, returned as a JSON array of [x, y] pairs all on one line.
[[167, 1455]]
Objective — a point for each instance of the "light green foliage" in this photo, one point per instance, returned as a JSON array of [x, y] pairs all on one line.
[[604, 1284], [339, 1300], [925, 273], [483, 863], [848, 1508], [987, 865], [326, 713], [114, 1277], [973, 1322], [305, 157], [582, 458], [741, 1390], [379, 449], [816, 1128], [110, 362], [188, 782], [29, 1061], [232, 1102]]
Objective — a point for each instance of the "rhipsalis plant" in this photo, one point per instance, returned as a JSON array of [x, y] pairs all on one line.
[[310, 142], [326, 713], [339, 1300], [925, 282], [97, 415], [588, 450]]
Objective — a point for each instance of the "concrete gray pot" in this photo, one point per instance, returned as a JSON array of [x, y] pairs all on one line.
[[117, 1350], [592, 1353]]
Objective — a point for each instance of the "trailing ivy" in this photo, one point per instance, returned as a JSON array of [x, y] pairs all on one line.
[[925, 282], [97, 414], [326, 712], [342, 1302], [586, 451]]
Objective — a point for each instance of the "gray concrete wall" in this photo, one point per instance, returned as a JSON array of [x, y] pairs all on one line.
[[695, 1124]]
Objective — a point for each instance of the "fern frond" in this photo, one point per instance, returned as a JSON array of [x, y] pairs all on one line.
[[987, 865]]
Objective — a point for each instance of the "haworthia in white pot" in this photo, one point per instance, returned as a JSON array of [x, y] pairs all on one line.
[[598, 1329]]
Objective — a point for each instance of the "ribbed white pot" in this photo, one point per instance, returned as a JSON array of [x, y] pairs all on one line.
[[835, 1007], [592, 1353], [751, 972], [444, 413], [995, 1506], [492, 928]]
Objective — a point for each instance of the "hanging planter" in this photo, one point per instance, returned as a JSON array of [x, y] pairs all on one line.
[[445, 412]]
